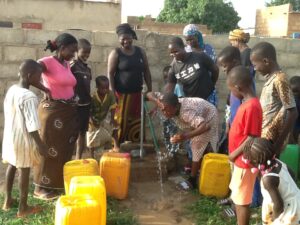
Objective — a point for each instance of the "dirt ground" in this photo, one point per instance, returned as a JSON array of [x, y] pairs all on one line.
[[149, 203], [154, 207]]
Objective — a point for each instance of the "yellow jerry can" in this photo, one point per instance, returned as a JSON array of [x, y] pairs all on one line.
[[77, 210], [215, 175], [92, 185], [115, 170], [81, 167]]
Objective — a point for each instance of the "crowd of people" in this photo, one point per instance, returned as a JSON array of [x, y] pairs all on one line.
[[44, 135]]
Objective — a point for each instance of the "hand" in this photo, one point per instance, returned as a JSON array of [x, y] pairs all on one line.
[[231, 158], [43, 150], [178, 138], [48, 95], [113, 123]]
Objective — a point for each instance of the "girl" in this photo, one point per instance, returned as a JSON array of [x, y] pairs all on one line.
[[281, 196]]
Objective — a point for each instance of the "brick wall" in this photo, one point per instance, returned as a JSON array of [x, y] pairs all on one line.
[[279, 21], [18, 44], [150, 24]]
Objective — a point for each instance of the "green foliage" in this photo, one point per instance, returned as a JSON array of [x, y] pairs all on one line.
[[295, 3], [116, 214], [217, 15]]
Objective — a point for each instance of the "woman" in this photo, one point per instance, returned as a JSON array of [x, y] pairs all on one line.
[[58, 115], [194, 40], [127, 67]]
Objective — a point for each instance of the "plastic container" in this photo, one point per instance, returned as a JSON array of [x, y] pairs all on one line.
[[291, 156], [215, 175], [81, 167], [92, 185], [77, 210], [115, 170]]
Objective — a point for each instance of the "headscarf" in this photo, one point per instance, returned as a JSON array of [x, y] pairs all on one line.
[[239, 35], [192, 30], [125, 28]]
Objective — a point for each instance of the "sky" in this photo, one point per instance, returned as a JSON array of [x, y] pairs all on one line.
[[245, 8]]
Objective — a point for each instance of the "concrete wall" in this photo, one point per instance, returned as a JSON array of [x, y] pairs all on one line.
[[279, 21], [18, 44], [150, 24], [62, 14]]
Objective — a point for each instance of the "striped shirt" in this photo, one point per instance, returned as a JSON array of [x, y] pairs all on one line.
[[20, 118]]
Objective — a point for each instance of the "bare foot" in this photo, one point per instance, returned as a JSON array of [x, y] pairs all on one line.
[[7, 205], [28, 211], [115, 149]]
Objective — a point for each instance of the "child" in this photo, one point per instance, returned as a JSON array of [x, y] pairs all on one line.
[[281, 204], [247, 123], [21, 139], [229, 58], [100, 132], [198, 120], [295, 86], [83, 77], [277, 100]]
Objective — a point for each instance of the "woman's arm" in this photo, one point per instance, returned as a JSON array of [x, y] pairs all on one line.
[[147, 74], [271, 184], [112, 68], [40, 85], [212, 68]]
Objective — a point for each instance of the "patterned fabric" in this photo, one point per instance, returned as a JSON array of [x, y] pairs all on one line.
[[275, 98], [100, 135], [213, 98], [192, 30], [290, 194], [193, 112], [128, 116], [100, 130], [20, 118], [59, 130], [99, 108], [239, 35]]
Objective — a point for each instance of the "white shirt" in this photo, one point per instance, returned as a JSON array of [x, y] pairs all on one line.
[[20, 118]]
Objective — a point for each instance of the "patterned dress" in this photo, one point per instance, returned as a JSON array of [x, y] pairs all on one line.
[[290, 195]]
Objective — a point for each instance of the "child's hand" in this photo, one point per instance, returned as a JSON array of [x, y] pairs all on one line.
[[177, 138], [43, 150]]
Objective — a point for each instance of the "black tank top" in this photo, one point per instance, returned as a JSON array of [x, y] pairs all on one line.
[[130, 72]]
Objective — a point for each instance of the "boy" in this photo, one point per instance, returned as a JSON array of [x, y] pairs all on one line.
[[21, 139], [198, 119], [247, 123], [229, 58], [99, 132], [277, 100], [295, 86], [83, 77]]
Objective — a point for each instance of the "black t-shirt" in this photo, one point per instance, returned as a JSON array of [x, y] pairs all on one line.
[[130, 72], [245, 57], [83, 77], [193, 74]]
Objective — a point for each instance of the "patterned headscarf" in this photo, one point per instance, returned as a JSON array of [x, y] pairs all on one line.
[[192, 30], [239, 35]]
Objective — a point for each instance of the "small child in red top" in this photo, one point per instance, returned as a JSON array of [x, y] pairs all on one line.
[[246, 124]]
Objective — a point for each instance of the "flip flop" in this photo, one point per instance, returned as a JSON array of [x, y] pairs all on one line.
[[47, 196], [225, 201], [229, 213], [32, 210], [184, 186]]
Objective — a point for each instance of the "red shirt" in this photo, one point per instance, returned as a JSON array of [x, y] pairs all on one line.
[[247, 122]]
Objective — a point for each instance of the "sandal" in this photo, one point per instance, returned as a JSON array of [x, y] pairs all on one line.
[[229, 213], [46, 196], [184, 186], [225, 201], [31, 210]]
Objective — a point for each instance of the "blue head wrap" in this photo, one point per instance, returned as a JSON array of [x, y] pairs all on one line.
[[192, 30]]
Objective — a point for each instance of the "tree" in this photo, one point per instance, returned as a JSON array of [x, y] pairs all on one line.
[[295, 3], [217, 15]]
